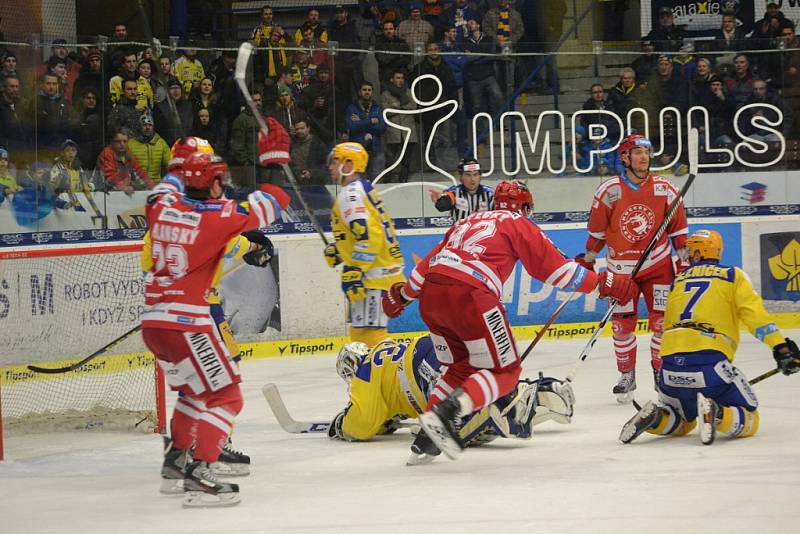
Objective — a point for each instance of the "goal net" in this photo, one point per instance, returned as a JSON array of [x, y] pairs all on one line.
[[58, 305]]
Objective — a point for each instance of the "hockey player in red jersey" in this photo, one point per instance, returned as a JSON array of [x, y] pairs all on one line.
[[189, 233], [459, 285], [627, 210]]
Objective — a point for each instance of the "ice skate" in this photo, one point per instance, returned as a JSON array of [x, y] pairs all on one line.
[[625, 387], [231, 463], [440, 425], [173, 468], [706, 419], [423, 451], [203, 490], [647, 417]]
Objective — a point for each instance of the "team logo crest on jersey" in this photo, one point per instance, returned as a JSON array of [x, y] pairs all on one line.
[[636, 222]]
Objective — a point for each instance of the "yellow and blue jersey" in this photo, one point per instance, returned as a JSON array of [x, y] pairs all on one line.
[[704, 310], [391, 383], [365, 235]]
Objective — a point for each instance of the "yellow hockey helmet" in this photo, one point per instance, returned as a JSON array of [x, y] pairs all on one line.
[[184, 147], [707, 242], [351, 151]]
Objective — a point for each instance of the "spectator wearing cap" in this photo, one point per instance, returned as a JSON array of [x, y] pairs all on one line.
[[52, 117], [91, 76], [396, 95], [120, 170], [149, 149], [286, 111], [8, 183], [126, 113], [311, 23], [348, 73], [317, 100], [646, 64], [174, 116], [391, 52], [467, 198], [666, 37], [739, 83], [415, 30], [13, 124], [67, 175]]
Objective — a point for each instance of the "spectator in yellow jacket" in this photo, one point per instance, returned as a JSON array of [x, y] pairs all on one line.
[[150, 150]]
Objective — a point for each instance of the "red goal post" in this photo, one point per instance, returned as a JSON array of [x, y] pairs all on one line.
[[58, 304]]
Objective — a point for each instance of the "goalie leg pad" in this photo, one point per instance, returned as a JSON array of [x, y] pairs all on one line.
[[737, 422], [554, 401]]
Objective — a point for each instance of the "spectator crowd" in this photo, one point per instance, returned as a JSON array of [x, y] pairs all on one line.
[[104, 119]]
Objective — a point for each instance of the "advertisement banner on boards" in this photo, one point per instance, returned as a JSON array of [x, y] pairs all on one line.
[[527, 300], [701, 17], [780, 266]]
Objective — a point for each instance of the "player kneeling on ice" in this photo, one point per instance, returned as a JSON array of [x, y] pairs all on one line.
[[701, 332], [459, 285], [393, 381], [190, 227]]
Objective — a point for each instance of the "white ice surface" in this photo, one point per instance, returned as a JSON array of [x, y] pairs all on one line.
[[575, 478]]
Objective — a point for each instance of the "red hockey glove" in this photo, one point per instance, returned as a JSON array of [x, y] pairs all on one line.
[[586, 260], [619, 287], [394, 302], [274, 147]]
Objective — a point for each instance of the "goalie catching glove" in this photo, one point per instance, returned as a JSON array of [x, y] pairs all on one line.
[[273, 148], [787, 356], [619, 287], [260, 256], [394, 302]]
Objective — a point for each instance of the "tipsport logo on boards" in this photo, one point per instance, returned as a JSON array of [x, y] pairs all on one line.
[[780, 266]]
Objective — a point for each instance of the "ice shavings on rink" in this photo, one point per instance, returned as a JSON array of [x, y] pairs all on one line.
[[575, 478]]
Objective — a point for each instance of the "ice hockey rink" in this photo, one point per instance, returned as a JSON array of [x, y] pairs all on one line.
[[575, 478]]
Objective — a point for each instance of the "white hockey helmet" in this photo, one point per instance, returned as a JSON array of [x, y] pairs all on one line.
[[349, 358]]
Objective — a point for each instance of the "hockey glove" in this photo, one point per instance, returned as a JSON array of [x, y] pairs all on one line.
[[335, 430], [787, 357], [586, 260], [394, 302], [353, 283], [274, 147], [332, 255], [619, 287], [259, 257]]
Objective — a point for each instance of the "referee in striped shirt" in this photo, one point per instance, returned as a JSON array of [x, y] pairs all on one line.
[[465, 199]]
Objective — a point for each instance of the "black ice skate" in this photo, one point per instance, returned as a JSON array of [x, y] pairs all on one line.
[[423, 451], [625, 387], [202, 489], [174, 468], [707, 415], [231, 463], [647, 417], [440, 425]]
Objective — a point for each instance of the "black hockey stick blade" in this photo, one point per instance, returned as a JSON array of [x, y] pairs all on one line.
[[81, 363]]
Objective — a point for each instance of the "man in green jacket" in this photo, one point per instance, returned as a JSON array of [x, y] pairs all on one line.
[[150, 149]]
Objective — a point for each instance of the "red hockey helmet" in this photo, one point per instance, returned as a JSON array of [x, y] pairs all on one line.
[[513, 195], [220, 169], [184, 147], [198, 172], [633, 141]]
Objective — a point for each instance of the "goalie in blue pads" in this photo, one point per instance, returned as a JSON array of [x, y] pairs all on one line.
[[391, 383]]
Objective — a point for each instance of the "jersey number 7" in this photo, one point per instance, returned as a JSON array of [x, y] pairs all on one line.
[[697, 288]]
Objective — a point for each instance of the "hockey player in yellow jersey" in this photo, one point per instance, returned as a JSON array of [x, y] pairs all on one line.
[[366, 244], [697, 381], [392, 382]]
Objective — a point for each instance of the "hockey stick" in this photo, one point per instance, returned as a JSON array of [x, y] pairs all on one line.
[[692, 145], [764, 376], [109, 346], [291, 425], [242, 60]]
